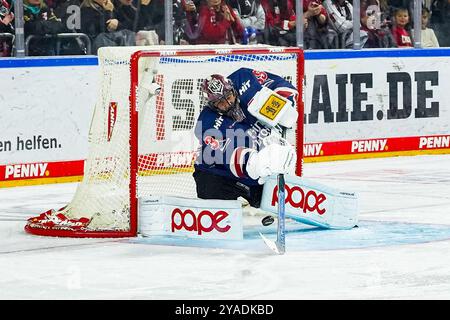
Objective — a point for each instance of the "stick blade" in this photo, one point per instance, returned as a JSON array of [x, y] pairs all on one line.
[[274, 246]]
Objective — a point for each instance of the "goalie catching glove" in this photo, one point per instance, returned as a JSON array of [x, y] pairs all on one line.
[[273, 159]]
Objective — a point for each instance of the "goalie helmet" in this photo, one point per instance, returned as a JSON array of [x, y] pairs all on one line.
[[222, 97]]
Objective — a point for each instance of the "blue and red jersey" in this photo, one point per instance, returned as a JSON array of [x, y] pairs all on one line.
[[225, 143]]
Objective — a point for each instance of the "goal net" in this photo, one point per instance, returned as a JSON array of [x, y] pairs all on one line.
[[141, 140]]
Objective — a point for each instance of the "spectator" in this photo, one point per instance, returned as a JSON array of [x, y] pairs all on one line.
[[179, 25], [400, 29], [253, 19], [99, 22], [440, 21], [125, 13], [6, 17], [188, 21], [69, 13], [375, 21], [340, 13], [6, 26], [215, 23], [396, 4], [280, 22], [42, 22], [97, 17], [374, 13], [316, 32], [271, 28], [151, 17], [144, 17], [428, 38]]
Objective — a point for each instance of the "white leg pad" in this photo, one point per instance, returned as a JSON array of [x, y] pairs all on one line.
[[190, 218], [313, 203]]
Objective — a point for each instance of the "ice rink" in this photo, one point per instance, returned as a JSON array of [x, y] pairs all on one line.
[[401, 249]]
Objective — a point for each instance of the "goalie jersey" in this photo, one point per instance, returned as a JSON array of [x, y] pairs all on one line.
[[225, 143]]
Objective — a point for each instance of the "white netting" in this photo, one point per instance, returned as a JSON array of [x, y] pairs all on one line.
[[167, 144]]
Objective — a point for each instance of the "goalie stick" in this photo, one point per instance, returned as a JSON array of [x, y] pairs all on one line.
[[279, 246]]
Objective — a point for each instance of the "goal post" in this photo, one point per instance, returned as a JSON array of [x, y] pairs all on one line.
[[141, 137]]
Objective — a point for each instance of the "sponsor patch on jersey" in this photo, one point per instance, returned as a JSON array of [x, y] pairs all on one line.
[[272, 107], [261, 76], [212, 142]]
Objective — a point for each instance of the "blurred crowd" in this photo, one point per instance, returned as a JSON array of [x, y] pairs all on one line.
[[77, 27]]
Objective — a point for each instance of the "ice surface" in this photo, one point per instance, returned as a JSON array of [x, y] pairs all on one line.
[[401, 249]]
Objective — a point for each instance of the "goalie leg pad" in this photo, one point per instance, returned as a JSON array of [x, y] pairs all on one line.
[[313, 203], [190, 218]]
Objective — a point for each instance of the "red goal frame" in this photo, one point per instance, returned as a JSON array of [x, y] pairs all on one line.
[[133, 138]]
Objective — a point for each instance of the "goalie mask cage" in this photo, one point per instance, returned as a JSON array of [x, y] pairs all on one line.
[[141, 141]]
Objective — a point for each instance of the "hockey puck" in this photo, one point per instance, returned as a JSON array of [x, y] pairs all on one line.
[[267, 221]]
